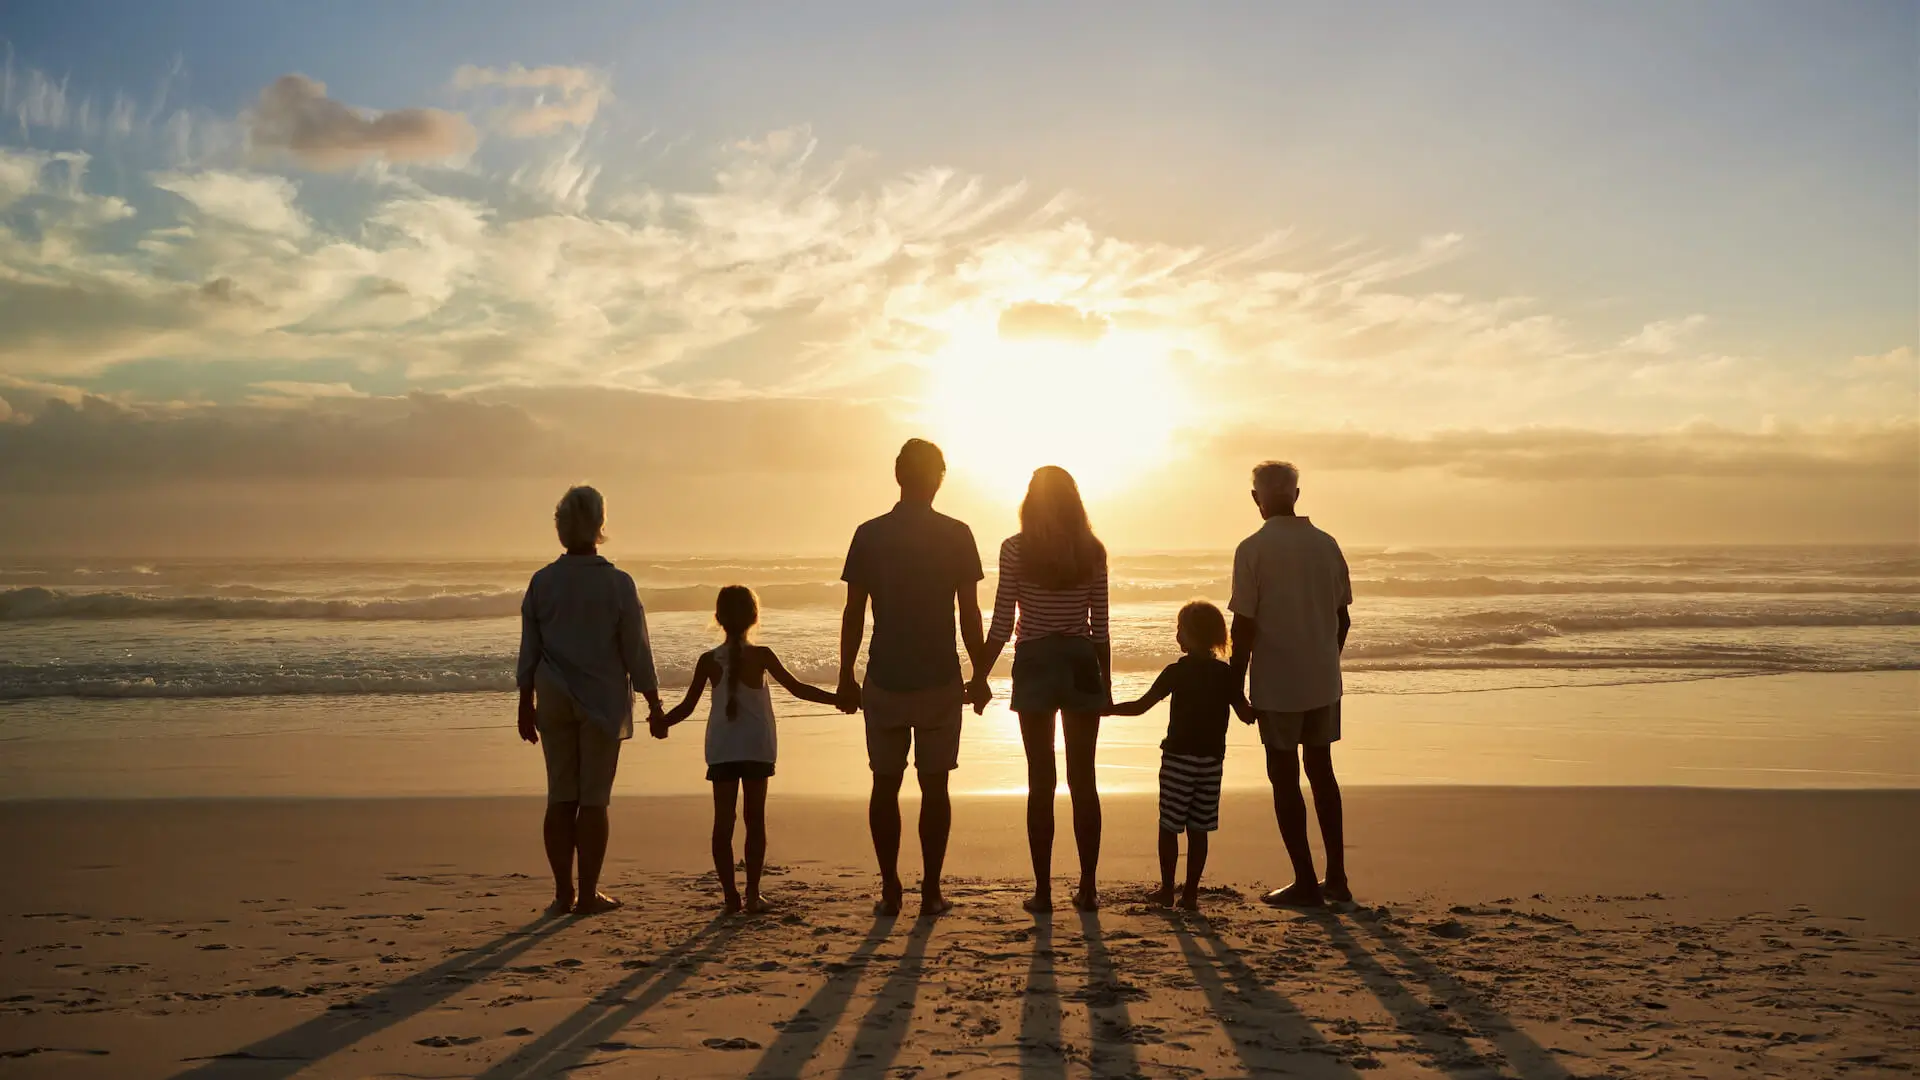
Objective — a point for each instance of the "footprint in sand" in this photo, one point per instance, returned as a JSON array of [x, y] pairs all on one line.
[[444, 1041], [730, 1044]]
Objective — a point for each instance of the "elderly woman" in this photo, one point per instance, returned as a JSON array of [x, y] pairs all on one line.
[[583, 655]]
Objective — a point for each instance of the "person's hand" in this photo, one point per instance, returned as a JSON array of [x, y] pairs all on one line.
[[848, 695], [979, 692], [657, 728], [1244, 711], [529, 723]]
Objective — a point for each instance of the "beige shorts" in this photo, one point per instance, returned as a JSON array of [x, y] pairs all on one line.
[[1314, 727], [926, 720], [581, 755]]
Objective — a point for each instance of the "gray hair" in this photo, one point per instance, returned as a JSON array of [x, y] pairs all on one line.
[[580, 517], [1275, 477]]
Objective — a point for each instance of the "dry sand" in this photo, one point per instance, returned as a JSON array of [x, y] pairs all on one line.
[[1503, 932]]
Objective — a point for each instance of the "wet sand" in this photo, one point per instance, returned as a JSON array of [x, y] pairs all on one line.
[[1501, 932]]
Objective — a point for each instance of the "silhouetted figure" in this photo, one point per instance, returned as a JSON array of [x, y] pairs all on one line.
[[916, 566], [1194, 753], [741, 736], [1291, 592], [1052, 599], [583, 655]]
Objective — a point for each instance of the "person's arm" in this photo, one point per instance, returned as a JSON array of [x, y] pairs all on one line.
[[1006, 595], [1245, 602], [524, 670], [853, 630], [1161, 687], [1345, 585], [1098, 623], [1245, 632], [1346, 624], [636, 650], [803, 691], [967, 601], [703, 673]]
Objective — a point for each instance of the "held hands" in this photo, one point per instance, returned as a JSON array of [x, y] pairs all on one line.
[[978, 693], [657, 721], [1244, 710], [847, 698]]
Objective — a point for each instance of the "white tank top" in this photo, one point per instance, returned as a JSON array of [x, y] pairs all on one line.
[[749, 734]]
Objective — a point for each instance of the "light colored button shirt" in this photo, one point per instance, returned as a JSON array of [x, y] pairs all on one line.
[[1291, 580], [583, 631]]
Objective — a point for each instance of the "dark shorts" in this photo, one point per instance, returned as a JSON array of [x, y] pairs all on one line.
[[1058, 673], [924, 721], [1189, 792], [740, 770]]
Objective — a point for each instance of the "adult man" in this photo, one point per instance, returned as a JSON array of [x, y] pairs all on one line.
[[1291, 591], [916, 566]]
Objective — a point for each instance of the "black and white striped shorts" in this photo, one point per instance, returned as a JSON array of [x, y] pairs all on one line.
[[1189, 792]]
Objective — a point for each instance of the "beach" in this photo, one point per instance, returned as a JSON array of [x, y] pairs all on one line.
[[1500, 932]]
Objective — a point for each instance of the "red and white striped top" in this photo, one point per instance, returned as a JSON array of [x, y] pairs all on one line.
[[1075, 612]]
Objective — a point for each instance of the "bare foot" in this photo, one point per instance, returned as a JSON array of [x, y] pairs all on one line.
[[1336, 890], [1189, 900], [562, 905], [1160, 897], [733, 903], [758, 905], [934, 905], [889, 902], [597, 904], [1038, 904], [1300, 894], [1086, 899]]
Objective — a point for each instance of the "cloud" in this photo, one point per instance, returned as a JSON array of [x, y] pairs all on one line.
[[250, 200], [295, 115], [565, 96], [1885, 451], [1061, 322], [1665, 337]]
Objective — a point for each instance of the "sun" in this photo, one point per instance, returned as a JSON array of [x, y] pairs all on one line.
[[1105, 410]]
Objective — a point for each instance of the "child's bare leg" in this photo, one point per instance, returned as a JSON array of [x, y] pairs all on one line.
[[1169, 857], [755, 792], [1196, 864], [724, 794]]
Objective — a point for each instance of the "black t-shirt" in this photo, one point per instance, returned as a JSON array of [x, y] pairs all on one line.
[[1203, 692], [911, 561]]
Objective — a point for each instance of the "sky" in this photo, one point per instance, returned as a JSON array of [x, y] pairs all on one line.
[[363, 278]]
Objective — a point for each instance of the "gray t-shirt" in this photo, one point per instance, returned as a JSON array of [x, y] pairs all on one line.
[[911, 561], [1291, 580]]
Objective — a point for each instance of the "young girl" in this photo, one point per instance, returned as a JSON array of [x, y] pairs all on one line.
[[740, 735], [1195, 749]]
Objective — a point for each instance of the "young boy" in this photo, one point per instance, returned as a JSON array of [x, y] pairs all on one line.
[[1195, 749]]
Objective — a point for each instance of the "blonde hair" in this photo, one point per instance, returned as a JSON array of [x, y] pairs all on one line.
[[1203, 625], [581, 518]]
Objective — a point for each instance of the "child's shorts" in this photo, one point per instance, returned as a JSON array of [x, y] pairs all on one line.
[[740, 770], [1189, 792]]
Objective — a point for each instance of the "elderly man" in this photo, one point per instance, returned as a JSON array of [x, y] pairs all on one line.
[[1290, 597]]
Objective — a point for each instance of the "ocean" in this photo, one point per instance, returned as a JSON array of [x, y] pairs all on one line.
[[135, 649], [1424, 621]]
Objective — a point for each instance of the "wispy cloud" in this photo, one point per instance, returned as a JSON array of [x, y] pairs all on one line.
[[547, 99], [296, 116]]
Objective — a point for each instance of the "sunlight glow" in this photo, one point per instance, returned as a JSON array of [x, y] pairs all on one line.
[[1105, 411]]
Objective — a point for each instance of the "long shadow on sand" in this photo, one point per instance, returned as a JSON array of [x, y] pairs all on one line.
[[1269, 1034], [883, 1031], [1106, 996], [1526, 1057], [802, 1034], [573, 1040], [342, 1026], [1041, 1055]]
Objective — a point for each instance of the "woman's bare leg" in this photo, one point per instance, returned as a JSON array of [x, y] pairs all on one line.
[[557, 831], [1083, 733], [1036, 735], [590, 840]]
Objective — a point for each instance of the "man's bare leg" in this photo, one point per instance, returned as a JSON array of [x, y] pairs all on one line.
[[883, 820], [557, 831], [590, 841], [1326, 805], [1290, 811], [936, 823]]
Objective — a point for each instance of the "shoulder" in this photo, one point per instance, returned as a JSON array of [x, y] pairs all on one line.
[[1251, 545], [953, 527], [1011, 545], [1326, 539]]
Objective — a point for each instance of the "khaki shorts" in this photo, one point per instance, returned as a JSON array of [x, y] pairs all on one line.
[[926, 720], [581, 755], [1314, 727]]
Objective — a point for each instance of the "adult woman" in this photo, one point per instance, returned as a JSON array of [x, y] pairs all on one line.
[[583, 655], [1052, 600]]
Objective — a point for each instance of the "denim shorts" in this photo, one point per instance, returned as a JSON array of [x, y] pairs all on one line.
[[1057, 672]]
